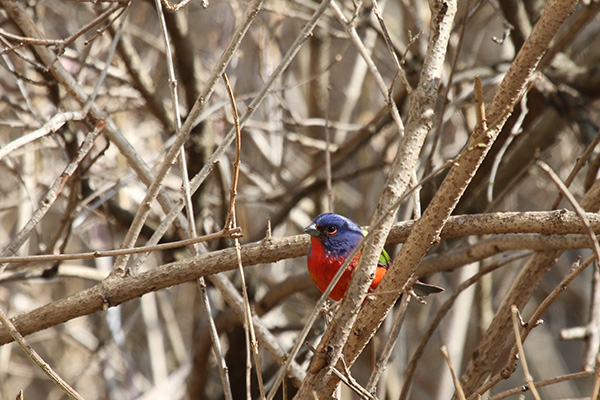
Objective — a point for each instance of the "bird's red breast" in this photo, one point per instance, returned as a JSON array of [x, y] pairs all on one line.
[[323, 265]]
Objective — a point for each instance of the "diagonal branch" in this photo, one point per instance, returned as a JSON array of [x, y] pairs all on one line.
[[427, 229], [419, 123]]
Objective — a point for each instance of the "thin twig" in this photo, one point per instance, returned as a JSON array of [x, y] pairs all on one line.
[[64, 270], [252, 343], [479, 103], [528, 377], [351, 31], [22, 88], [459, 390], [214, 339], [390, 46], [238, 149], [107, 25], [581, 161], [100, 18], [52, 193], [177, 118], [108, 62], [348, 380], [592, 331], [578, 209], [269, 342], [30, 40], [534, 321], [117, 252], [60, 382], [53, 125], [268, 232], [546, 382], [383, 359]]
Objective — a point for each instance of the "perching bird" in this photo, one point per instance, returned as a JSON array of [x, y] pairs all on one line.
[[333, 237]]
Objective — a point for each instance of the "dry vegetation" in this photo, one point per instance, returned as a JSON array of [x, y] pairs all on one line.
[[112, 139]]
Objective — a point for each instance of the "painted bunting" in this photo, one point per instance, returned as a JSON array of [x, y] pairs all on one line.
[[333, 237]]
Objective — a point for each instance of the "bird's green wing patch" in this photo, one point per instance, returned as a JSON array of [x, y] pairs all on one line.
[[384, 257]]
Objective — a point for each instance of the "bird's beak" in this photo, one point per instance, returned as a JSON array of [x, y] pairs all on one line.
[[312, 230]]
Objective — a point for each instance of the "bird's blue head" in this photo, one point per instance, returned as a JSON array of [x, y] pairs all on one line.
[[338, 234]]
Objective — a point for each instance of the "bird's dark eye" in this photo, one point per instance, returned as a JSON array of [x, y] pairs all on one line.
[[331, 229]]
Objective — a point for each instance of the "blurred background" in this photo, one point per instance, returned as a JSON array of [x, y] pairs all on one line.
[[326, 100]]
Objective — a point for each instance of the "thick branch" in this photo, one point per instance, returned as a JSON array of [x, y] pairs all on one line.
[[427, 229], [112, 292], [419, 123]]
